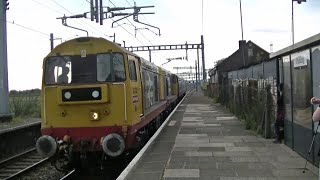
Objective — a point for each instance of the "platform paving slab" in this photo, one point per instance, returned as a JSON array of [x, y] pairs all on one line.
[[206, 141]]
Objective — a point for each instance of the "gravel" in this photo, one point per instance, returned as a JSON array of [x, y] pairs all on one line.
[[44, 172]]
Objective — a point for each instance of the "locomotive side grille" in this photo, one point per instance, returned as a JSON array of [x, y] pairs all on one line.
[[81, 94]]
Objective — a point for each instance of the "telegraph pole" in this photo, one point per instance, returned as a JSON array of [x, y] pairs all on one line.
[[196, 75], [4, 90], [203, 61], [198, 68], [51, 41]]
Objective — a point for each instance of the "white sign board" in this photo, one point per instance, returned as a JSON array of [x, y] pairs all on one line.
[[300, 61]]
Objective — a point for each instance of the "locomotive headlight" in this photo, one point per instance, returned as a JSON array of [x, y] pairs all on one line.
[[95, 94], [94, 115], [67, 95]]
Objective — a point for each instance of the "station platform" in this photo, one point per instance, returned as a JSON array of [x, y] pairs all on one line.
[[203, 140]]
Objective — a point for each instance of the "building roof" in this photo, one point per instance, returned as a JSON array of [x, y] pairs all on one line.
[[306, 43], [253, 54]]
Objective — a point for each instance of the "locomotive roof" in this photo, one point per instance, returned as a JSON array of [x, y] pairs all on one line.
[[88, 40], [149, 65], [165, 71], [66, 45]]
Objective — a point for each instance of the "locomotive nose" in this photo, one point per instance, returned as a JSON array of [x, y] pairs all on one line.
[[46, 146], [113, 145]]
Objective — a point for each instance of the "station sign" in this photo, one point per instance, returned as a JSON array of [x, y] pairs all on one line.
[[300, 61]]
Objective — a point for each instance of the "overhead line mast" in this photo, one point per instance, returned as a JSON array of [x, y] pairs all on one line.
[[4, 90]]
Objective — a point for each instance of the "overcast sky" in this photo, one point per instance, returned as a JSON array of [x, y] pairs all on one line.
[[264, 22]]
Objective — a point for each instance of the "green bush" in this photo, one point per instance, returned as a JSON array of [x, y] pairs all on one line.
[[25, 103]]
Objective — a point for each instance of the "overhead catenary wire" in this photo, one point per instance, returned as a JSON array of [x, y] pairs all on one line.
[[124, 28], [142, 14], [101, 33], [59, 12], [133, 25], [25, 27], [41, 4], [128, 32], [137, 29], [162, 57], [146, 22]]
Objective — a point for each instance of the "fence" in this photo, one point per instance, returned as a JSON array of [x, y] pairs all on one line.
[[251, 100]]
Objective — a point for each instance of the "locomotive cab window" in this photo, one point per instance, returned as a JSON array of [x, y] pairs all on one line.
[[132, 71], [107, 67], [58, 70], [110, 67]]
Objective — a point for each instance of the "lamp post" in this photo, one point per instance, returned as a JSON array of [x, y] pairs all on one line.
[[292, 28], [241, 45], [241, 20]]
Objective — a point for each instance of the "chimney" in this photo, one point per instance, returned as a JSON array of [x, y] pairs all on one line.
[[242, 44]]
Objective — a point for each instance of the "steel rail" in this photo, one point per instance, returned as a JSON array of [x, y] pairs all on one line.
[[7, 161], [69, 175], [23, 157]]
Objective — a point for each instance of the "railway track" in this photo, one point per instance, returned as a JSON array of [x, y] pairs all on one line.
[[19, 164], [70, 175]]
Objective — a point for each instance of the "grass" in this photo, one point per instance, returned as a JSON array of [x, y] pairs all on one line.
[[25, 106]]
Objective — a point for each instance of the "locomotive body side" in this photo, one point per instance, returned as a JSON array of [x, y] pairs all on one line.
[[174, 85], [182, 87]]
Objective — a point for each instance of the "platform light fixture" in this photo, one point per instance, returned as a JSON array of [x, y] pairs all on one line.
[[7, 5], [300, 1], [292, 28]]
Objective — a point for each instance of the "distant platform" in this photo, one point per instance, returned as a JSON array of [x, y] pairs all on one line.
[[16, 122], [5, 117]]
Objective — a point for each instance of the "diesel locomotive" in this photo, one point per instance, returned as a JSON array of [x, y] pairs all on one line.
[[100, 101]]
